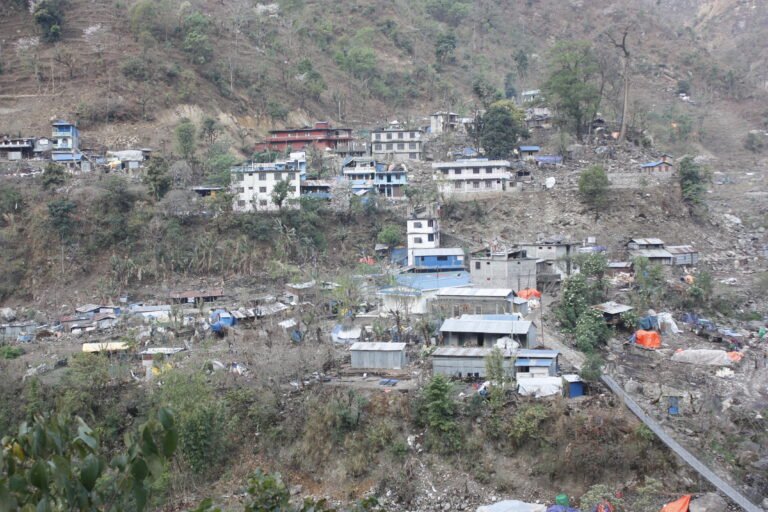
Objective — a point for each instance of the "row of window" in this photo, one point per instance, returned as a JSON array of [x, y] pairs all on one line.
[[263, 176], [391, 135], [399, 146], [262, 202], [420, 240], [241, 190], [477, 170], [419, 224], [458, 185]]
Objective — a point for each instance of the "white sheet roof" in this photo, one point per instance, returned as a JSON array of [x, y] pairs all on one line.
[[377, 346], [486, 326], [447, 251], [475, 292]]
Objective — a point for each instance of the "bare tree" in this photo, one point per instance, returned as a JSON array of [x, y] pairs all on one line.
[[626, 61]]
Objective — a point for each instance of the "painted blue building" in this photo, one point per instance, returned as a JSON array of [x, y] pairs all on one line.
[[368, 174], [449, 258], [65, 143]]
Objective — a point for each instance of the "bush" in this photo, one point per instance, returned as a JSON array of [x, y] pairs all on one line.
[[137, 69], [54, 175], [754, 142], [8, 352], [591, 331], [49, 16], [443, 433], [593, 188], [526, 424], [592, 369]]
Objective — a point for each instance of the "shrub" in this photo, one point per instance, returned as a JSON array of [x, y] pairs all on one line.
[[526, 424], [443, 433], [8, 352], [592, 369], [754, 142], [591, 330], [54, 175], [137, 69]]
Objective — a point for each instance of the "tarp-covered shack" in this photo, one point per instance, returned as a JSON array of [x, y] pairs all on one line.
[[390, 356]]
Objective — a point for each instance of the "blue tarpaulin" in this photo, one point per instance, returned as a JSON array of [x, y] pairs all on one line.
[[649, 323]]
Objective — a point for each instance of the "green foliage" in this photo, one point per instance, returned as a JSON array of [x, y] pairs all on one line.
[[683, 87], [358, 61], [630, 320], [591, 331], [11, 202], [570, 84], [593, 264], [451, 12], [649, 283], [498, 377], [196, 42], [137, 68], [311, 81], [526, 424], [58, 464], [277, 110], [156, 177], [593, 187], [592, 368], [49, 15], [693, 182], [510, 92], [502, 126], [521, 62], [54, 175], [597, 494], [218, 164], [485, 91], [754, 142], [573, 302], [280, 192], [443, 433], [445, 47], [390, 235], [9, 352], [186, 135], [60, 216]]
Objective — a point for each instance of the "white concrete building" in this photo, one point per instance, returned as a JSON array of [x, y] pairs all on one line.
[[441, 122], [253, 183], [422, 233], [396, 144], [472, 176]]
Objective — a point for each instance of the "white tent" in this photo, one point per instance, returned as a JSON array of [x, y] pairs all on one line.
[[512, 506], [540, 386]]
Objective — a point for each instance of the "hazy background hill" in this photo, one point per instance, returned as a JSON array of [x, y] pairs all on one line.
[[128, 70]]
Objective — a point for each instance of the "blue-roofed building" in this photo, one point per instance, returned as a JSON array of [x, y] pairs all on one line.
[[487, 330], [663, 164], [548, 160], [66, 142], [440, 258], [365, 174], [415, 290], [528, 151], [317, 189], [532, 363]]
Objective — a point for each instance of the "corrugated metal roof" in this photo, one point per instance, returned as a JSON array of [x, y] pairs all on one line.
[[475, 292], [530, 148], [500, 316], [612, 308], [377, 346], [446, 251], [647, 241], [87, 308], [534, 353], [150, 309], [162, 350], [619, 264], [105, 347], [681, 249], [571, 377], [478, 162], [534, 362], [434, 280], [651, 253], [194, 294], [486, 326], [463, 352]]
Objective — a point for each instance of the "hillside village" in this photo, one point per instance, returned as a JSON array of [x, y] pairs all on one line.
[[496, 304]]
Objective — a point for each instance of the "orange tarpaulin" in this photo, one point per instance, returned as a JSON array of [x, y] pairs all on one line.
[[648, 339], [529, 293], [680, 505]]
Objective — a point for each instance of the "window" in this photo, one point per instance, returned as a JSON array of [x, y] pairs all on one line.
[[488, 170], [262, 202], [475, 171], [413, 156], [263, 176], [477, 265], [442, 258], [389, 147], [250, 188], [263, 190], [389, 136], [241, 202], [475, 184], [417, 225], [430, 223], [431, 237], [292, 176], [376, 136], [413, 135], [377, 147], [418, 240], [488, 184], [401, 147], [240, 190], [457, 172], [400, 135], [412, 145], [457, 185], [445, 171], [240, 177]]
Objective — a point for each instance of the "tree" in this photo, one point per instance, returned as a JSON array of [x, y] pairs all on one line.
[[521, 62], [573, 302], [280, 193], [591, 331], [442, 430], [485, 91], [625, 55], [649, 283], [49, 16], [593, 188], [502, 125], [210, 130], [390, 235], [185, 138], [54, 175], [56, 463], [692, 182], [60, 215], [754, 142], [445, 46], [510, 92], [311, 81], [570, 83], [156, 177]]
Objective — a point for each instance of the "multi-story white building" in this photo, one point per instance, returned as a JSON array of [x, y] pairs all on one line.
[[422, 233], [472, 176], [253, 183], [396, 144]]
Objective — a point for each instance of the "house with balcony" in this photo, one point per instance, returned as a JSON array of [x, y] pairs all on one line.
[[17, 148], [365, 173], [321, 136], [397, 144], [472, 176], [253, 183], [442, 122], [65, 148]]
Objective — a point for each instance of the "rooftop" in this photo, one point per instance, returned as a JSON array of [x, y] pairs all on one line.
[[612, 308], [463, 352], [651, 253], [647, 241], [475, 292], [533, 353], [471, 162], [655, 164], [530, 148], [434, 280], [440, 251], [486, 326], [681, 249], [377, 346]]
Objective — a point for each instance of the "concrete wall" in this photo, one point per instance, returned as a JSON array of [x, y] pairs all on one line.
[[507, 273], [454, 366]]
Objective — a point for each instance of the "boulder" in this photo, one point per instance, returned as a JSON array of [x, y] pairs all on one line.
[[710, 502], [7, 314]]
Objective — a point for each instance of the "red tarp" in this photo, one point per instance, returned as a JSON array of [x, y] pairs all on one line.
[[648, 339], [529, 293], [680, 505]]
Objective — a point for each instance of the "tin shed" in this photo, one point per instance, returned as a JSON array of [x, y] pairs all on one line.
[[390, 356], [465, 362]]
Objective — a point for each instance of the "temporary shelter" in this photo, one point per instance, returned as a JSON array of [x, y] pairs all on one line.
[[529, 293], [648, 339], [680, 505], [378, 355], [540, 386]]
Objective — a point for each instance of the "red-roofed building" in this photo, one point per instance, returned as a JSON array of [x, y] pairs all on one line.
[[321, 136]]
